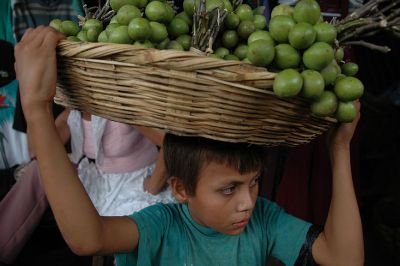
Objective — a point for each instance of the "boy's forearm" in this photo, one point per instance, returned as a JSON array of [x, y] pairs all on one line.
[[65, 193], [62, 126], [343, 229]]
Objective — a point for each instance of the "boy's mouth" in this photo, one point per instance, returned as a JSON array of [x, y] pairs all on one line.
[[241, 224]]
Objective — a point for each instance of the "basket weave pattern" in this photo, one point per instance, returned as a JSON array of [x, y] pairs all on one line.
[[183, 93]]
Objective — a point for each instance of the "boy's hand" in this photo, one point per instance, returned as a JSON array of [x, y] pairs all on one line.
[[341, 135], [36, 69]]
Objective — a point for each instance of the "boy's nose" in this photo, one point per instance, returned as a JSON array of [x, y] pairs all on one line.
[[245, 202]]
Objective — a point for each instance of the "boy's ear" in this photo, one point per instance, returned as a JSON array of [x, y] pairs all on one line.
[[178, 189]]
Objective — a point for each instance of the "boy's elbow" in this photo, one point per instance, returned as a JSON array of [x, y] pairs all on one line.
[[356, 258], [87, 248]]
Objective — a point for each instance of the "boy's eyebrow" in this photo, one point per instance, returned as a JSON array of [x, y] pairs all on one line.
[[235, 183]]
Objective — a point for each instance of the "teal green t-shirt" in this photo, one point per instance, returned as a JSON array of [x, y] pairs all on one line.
[[169, 236]]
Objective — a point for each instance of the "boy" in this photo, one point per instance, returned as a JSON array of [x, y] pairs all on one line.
[[220, 221]]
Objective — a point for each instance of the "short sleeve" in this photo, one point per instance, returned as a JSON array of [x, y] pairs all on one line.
[[286, 234], [152, 223]]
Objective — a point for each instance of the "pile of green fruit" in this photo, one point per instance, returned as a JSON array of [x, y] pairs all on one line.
[[298, 45], [146, 24], [301, 48]]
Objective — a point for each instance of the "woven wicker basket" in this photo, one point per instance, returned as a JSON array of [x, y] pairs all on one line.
[[183, 93]]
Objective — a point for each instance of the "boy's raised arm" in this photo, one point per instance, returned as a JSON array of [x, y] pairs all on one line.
[[83, 229], [341, 242]]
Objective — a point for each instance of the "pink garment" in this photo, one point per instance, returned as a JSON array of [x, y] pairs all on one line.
[[88, 144], [26, 201], [124, 149]]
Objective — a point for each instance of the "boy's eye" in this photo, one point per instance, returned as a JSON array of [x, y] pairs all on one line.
[[228, 190], [255, 181]]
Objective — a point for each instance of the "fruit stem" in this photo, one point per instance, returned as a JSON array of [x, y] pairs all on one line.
[[206, 26], [383, 49]]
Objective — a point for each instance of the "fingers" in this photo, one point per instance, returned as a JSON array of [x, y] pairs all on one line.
[[27, 35], [35, 38], [52, 38]]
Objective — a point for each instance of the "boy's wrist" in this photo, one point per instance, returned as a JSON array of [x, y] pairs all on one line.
[[37, 111], [339, 149]]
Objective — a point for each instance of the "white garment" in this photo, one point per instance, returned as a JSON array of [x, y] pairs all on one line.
[[111, 194], [119, 194]]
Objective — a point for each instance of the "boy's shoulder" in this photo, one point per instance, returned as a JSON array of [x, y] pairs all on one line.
[[167, 212]]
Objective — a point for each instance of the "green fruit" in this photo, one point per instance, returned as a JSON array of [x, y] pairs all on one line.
[[92, 34], [349, 69], [246, 28], [339, 54], [228, 6], [280, 26], [325, 105], [158, 32], [73, 39], [282, 9], [163, 44], [69, 28], [325, 32], [170, 14], [318, 56], [260, 35], [231, 57], [178, 27], [232, 21], [339, 77], [111, 27], [230, 39], [156, 11], [260, 53], [221, 52], [349, 89], [174, 45], [141, 3], [93, 23], [287, 83], [346, 112], [214, 56], [103, 37], [260, 22], [126, 13], [189, 6], [286, 56], [302, 35], [113, 20], [259, 10], [183, 15], [307, 11], [241, 51], [120, 35], [144, 44], [139, 29], [117, 4], [212, 4], [330, 72], [313, 84], [244, 12], [185, 40], [82, 36], [56, 23]]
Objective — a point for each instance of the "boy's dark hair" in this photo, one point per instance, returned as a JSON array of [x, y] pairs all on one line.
[[185, 156]]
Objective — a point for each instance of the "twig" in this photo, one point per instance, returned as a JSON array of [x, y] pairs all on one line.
[[383, 49]]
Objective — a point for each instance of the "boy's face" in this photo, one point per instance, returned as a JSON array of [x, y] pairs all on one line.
[[224, 198]]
